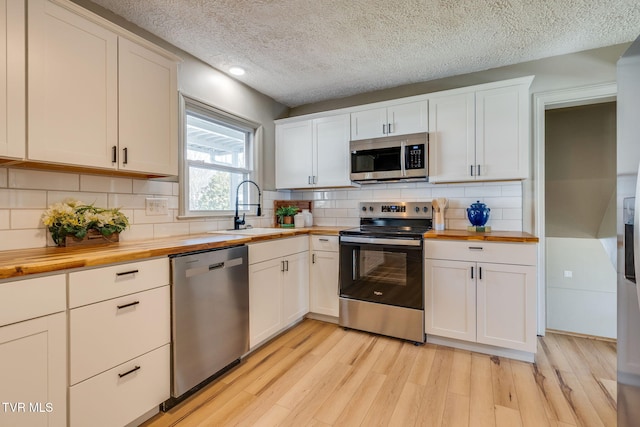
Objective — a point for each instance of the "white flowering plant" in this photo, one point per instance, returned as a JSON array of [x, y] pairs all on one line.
[[74, 218]]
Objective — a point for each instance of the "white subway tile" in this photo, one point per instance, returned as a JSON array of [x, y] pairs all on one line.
[[415, 194], [152, 187], [346, 204], [483, 191], [503, 202], [170, 229], [512, 190], [127, 201], [175, 188], [348, 222], [174, 202], [42, 180], [200, 227], [26, 218], [512, 214], [447, 191], [386, 194], [5, 218], [3, 178], [23, 239], [99, 200], [105, 184], [27, 199], [137, 232], [360, 194], [505, 225], [455, 213], [140, 217], [324, 222], [323, 204], [337, 212]]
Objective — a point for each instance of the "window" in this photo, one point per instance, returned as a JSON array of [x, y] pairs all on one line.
[[217, 156]]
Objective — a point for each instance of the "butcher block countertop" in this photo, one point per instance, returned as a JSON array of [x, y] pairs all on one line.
[[19, 263], [493, 236]]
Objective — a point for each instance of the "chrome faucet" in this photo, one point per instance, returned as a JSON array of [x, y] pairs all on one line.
[[237, 222]]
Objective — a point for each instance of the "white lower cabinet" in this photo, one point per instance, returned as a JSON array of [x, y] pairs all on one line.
[[491, 303], [323, 278], [119, 336], [34, 372], [33, 352], [278, 286]]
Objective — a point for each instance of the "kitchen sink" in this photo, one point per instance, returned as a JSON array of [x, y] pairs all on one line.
[[255, 231]]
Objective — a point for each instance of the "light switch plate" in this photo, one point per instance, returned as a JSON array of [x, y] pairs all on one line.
[[157, 205]]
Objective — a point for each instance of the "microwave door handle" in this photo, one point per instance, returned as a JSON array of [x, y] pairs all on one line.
[[403, 159]]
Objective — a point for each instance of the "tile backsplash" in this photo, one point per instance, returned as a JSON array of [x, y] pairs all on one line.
[[25, 194]]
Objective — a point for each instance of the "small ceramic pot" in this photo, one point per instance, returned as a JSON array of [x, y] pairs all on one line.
[[478, 214]]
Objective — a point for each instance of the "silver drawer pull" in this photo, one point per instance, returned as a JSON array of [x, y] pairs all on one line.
[[131, 304], [126, 273], [129, 372], [475, 248]]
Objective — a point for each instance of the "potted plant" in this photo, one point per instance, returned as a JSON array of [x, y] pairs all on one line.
[[285, 215], [74, 223]]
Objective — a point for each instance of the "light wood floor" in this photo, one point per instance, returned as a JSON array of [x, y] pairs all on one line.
[[318, 374]]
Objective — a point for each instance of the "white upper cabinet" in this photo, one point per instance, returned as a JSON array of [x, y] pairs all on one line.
[[148, 107], [12, 79], [73, 88], [480, 134], [401, 119], [96, 99], [313, 153]]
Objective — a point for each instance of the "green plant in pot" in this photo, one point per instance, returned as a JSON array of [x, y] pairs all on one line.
[[285, 215]]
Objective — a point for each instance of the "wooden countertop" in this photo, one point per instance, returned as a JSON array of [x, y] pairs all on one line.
[[18, 263], [494, 236]]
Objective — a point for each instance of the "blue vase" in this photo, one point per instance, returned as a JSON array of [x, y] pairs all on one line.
[[478, 214]]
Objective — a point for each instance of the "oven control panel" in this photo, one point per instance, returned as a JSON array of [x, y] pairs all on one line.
[[395, 210]]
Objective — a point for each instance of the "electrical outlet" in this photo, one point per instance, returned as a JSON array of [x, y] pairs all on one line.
[[568, 274], [157, 206]]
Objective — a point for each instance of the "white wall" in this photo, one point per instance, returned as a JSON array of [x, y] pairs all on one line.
[[586, 302]]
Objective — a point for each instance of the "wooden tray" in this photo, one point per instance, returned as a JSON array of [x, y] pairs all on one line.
[[300, 204]]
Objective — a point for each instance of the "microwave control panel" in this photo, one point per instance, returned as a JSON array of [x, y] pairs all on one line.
[[414, 156]]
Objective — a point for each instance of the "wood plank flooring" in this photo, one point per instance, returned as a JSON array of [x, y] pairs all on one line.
[[318, 374]]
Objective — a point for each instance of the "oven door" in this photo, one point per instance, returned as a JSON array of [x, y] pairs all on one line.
[[382, 270]]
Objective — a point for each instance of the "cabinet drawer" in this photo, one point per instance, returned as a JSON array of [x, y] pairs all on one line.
[[108, 333], [27, 299], [500, 253], [263, 251], [115, 398], [325, 243], [99, 284]]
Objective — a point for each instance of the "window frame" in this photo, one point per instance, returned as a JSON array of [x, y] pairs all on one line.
[[190, 104]]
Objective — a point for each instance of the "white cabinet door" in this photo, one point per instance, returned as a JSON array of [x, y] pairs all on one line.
[[401, 119], [507, 306], [148, 110], [265, 300], [323, 286], [73, 88], [450, 299], [369, 124], [502, 133], [295, 288], [451, 137], [331, 150], [407, 118], [12, 79], [294, 155], [34, 372]]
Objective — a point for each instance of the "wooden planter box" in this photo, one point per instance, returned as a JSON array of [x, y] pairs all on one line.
[[93, 237]]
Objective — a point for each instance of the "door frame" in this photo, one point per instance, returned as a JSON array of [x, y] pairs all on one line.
[[584, 95]]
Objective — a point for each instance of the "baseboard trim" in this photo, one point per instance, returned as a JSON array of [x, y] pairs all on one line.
[[579, 335]]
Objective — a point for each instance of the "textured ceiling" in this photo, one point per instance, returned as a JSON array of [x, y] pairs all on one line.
[[305, 51]]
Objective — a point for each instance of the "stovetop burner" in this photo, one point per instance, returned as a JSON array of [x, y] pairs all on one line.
[[393, 219]]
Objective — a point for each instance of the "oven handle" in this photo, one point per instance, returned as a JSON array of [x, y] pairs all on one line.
[[381, 241]]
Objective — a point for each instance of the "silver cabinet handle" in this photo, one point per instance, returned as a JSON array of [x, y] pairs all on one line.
[[313, 258], [287, 265], [114, 154], [478, 170], [475, 248], [384, 129], [480, 273], [471, 170], [281, 265], [324, 240], [126, 156], [389, 128], [472, 272]]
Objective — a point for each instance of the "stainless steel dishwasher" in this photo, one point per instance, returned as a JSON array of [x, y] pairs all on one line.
[[210, 317]]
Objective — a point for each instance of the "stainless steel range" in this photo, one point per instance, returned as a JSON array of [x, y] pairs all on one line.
[[382, 270]]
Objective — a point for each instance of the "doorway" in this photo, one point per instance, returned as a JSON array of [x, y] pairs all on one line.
[[580, 219], [534, 213]]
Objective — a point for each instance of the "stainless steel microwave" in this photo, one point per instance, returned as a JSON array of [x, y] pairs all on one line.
[[392, 158]]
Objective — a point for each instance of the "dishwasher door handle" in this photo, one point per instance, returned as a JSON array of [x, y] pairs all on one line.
[[197, 271]]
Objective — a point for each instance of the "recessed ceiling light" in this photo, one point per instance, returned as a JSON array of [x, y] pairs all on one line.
[[236, 71]]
